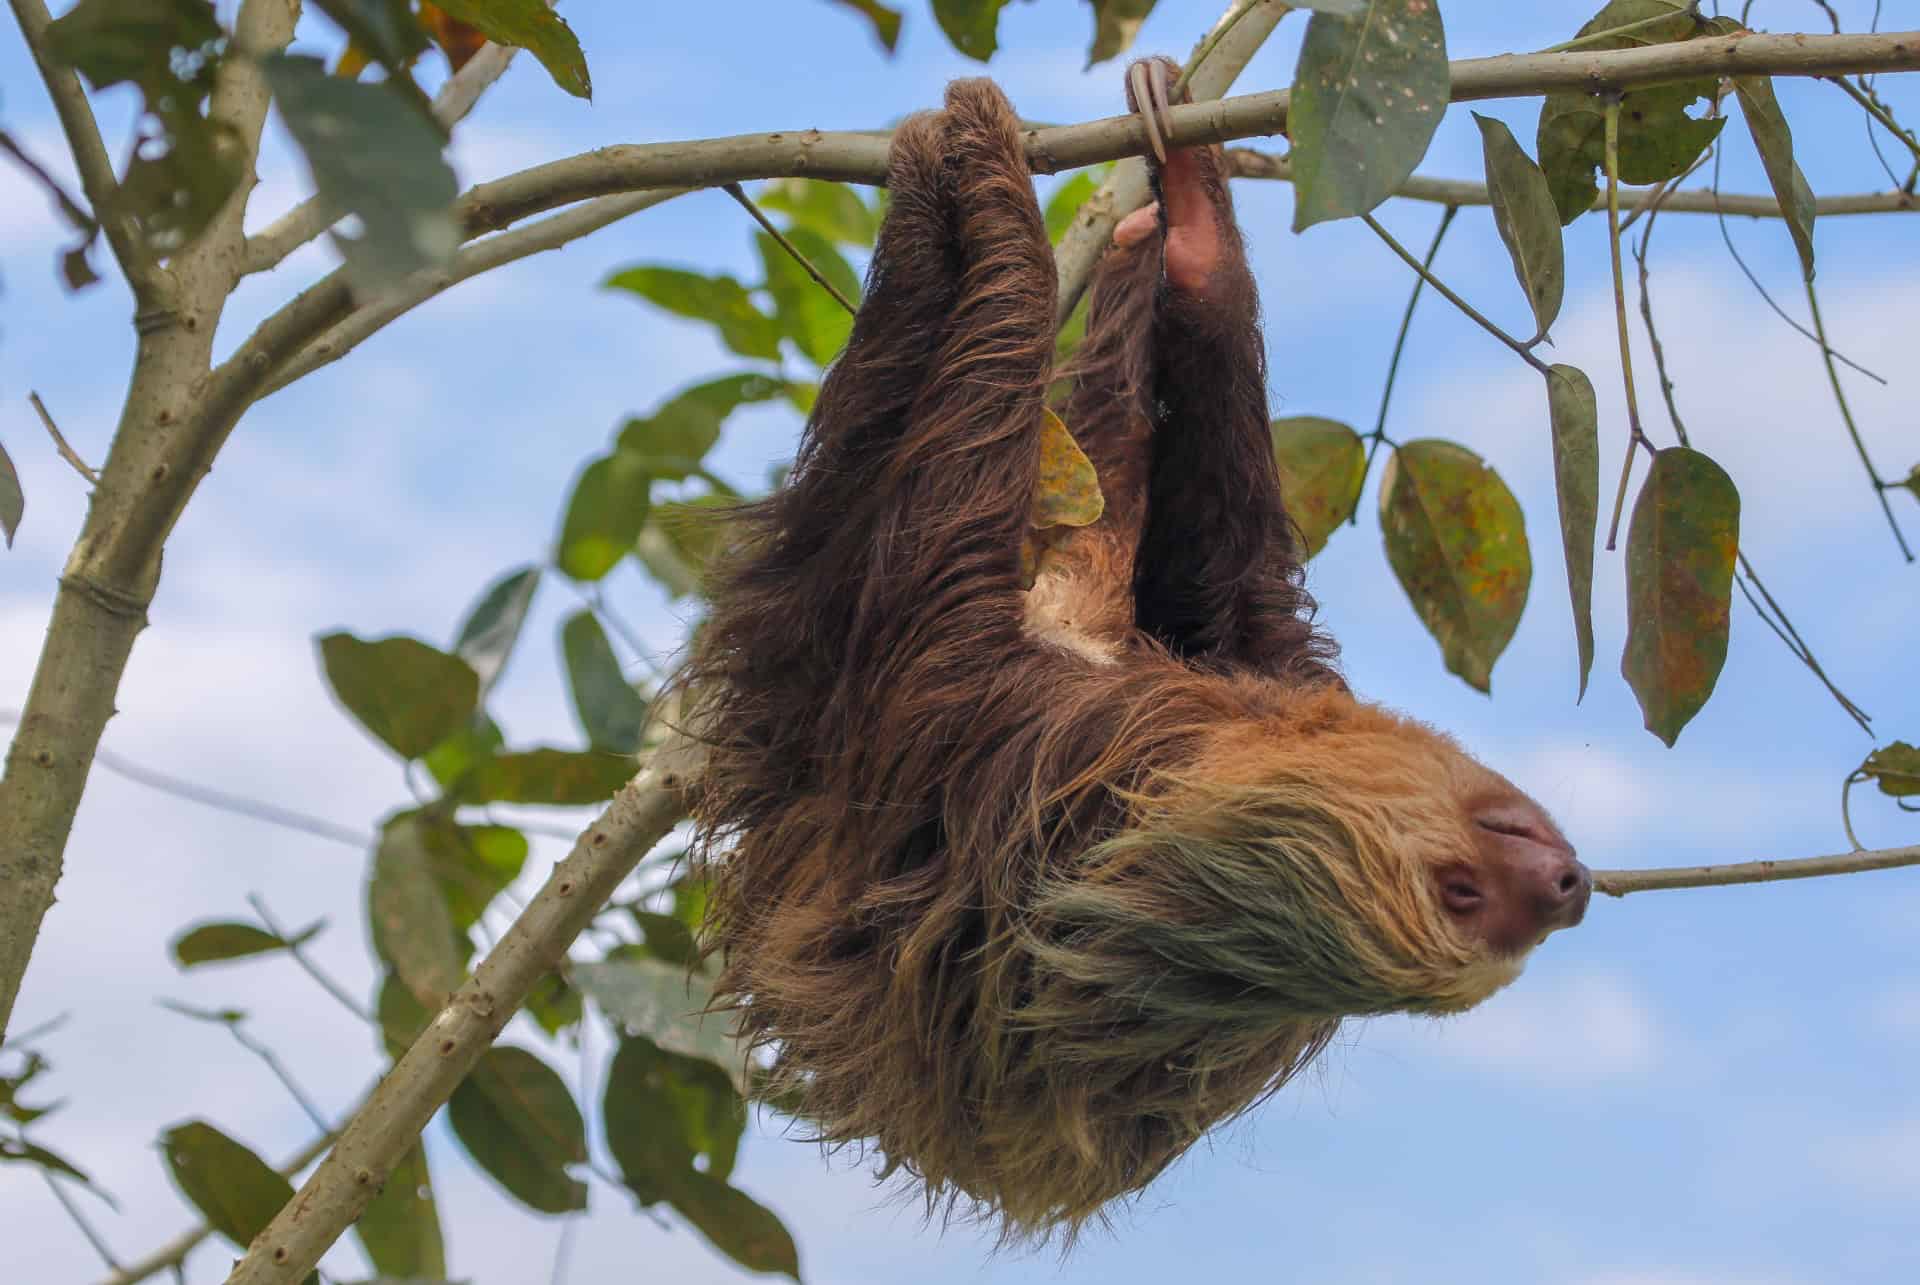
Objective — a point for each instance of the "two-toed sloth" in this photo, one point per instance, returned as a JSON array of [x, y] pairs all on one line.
[[1029, 888]]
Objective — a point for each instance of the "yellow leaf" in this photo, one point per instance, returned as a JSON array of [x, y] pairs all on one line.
[[1065, 495]]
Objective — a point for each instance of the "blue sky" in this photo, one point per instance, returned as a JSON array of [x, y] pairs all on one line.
[[1694, 1087]]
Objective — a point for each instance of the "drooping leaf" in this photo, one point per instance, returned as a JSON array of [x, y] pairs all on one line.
[[533, 26], [1524, 213], [1658, 140], [185, 165], [1115, 24], [608, 508], [1065, 203], [834, 210], [409, 695], [557, 778], [1458, 544], [1576, 483], [20, 1151], [1322, 465], [808, 315], [236, 1191], [400, 1227], [517, 1120], [1066, 494], [720, 301], [209, 943], [383, 30], [885, 21], [737, 1225], [1681, 548], [1896, 768], [13, 501], [487, 636], [1367, 95], [413, 927], [662, 1111], [1774, 139], [973, 26], [674, 440], [610, 711], [377, 154], [665, 1003]]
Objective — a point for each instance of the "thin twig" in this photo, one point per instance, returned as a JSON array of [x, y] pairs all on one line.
[[79, 1218], [1379, 433], [1880, 487], [1520, 349], [67, 452], [734, 190], [1635, 435], [1871, 104], [280, 1073], [69, 208], [299, 954], [1618, 883]]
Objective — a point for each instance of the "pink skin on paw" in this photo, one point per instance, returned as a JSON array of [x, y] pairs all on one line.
[[1193, 235]]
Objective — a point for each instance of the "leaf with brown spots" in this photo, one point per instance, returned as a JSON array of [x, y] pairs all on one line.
[[1681, 547], [1456, 540], [1896, 768], [1066, 494], [1322, 465]]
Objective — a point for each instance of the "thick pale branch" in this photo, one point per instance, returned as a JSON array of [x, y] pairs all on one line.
[[1248, 163], [1618, 883], [381, 1132], [89, 150]]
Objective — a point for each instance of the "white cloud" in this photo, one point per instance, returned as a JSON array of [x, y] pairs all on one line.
[[1883, 1164], [1582, 1029]]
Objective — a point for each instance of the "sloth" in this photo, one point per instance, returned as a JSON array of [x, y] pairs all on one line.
[[1025, 887]]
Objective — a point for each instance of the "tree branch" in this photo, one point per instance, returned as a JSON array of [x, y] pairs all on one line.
[[1248, 163], [381, 1132], [1618, 883], [89, 157]]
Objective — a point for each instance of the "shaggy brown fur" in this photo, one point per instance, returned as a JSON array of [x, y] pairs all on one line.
[[1032, 918]]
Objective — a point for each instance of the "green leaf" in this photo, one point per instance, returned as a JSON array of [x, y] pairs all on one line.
[[1576, 483], [13, 501], [208, 943], [972, 25], [375, 153], [662, 1111], [834, 210], [20, 1151], [672, 442], [1458, 544], [533, 26], [554, 1004], [610, 711], [400, 1227], [1681, 547], [695, 529], [31, 1066], [885, 21], [516, 1119], [669, 938], [604, 517], [1896, 768], [1524, 213], [1064, 205], [492, 627], [1367, 95], [236, 1191], [1774, 139], [472, 864], [413, 928], [1323, 464], [807, 313], [558, 778], [466, 749], [663, 562], [720, 301], [737, 1225], [401, 1016], [409, 695], [665, 1003], [1912, 482], [384, 30], [179, 177], [1658, 140], [1115, 24]]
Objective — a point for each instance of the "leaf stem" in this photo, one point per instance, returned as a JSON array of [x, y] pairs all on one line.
[[739, 194], [79, 1218], [1379, 434], [1635, 435], [1473, 314], [1853, 430]]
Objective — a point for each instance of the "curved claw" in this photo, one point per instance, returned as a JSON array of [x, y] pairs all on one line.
[[1149, 83]]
